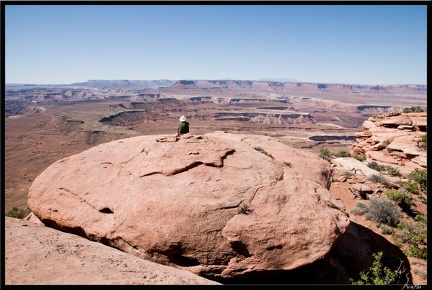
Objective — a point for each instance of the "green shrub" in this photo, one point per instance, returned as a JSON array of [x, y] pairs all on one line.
[[326, 154], [392, 171], [421, 218], [416, 109], [413, 233], [424, 138], [383, 211], [417, 252], [378, 274], [360, 208], [379, 178], [348, 173], [404, 200], [375, 166], [409, 186], [386, 229], [342, 153], [360, 158], [18, 213], [419, 176]]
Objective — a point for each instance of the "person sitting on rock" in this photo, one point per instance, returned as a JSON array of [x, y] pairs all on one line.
[[182, 126]]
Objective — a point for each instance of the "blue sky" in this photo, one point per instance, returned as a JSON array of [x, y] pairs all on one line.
[[352, 44]]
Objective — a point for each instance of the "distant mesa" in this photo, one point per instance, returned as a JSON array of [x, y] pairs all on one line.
[[183, 84]]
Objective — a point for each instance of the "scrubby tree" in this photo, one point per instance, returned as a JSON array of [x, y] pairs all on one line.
[[378, 274], [419, 176], [326, 154]]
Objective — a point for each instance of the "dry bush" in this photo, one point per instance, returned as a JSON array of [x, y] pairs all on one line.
[[383, 211], [360, 208], [379, 178]]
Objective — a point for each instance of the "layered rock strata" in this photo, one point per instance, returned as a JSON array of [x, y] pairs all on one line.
[[395, 139]]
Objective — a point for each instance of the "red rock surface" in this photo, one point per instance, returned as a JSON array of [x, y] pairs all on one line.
[[218, 204], [393, 139], [39, 255]]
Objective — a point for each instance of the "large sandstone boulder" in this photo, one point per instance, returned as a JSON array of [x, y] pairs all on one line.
[[220, 205], [39, 255]]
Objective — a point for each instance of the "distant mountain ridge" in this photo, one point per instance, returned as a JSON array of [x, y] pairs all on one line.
[[136, 84]]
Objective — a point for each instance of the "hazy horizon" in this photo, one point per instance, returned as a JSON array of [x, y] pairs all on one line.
[[223, 79]]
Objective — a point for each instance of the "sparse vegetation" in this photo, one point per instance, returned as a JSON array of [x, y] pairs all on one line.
[[414, 234], [361, 157], [378, 274], [392, 171], [413, 109], [259, 149], [422, 142], [360, 208], [375, 166], [409, 186], [417, 252], [379, 178], [383, 211], [386, 229], [348, 174], [342, 153], [419, 176], [326, 154], [404, 200], [18, 212]]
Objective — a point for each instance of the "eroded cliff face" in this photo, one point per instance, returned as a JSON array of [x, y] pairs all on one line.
[[394, 138], [310, 87]]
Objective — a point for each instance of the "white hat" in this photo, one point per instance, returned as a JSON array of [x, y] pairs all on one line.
[[182, 118]]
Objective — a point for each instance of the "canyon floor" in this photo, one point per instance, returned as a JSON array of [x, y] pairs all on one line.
[[36, 139]]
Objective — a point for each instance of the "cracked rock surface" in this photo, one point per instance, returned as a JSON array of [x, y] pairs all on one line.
[[219, 205]]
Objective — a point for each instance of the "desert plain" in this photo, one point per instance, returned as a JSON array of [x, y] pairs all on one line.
[[45, 123]]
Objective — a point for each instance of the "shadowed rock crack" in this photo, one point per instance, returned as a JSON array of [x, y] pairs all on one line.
[[106, 210], [70, 192], [174, 253], [243, 206], [192, 165]]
